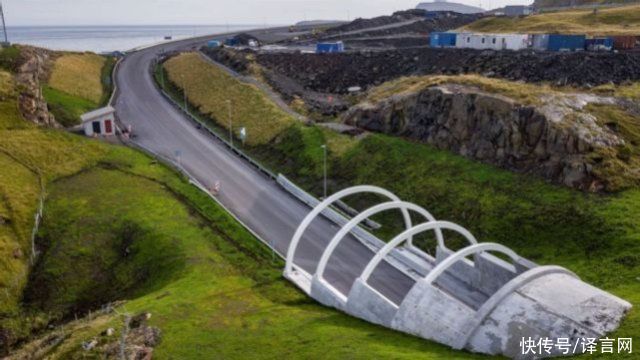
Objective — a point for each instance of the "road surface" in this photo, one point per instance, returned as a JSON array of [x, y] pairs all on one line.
[[255, 199]]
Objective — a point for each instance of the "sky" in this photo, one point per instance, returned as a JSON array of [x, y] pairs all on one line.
[[205, 12]]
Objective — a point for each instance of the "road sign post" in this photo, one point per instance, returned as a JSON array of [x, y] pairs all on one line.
[[243, 134]]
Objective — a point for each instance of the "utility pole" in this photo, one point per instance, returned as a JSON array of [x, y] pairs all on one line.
[[4, 25], [230, 123], [324, 150]]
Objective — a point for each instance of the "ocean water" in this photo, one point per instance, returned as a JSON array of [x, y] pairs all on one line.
[[109, 38]]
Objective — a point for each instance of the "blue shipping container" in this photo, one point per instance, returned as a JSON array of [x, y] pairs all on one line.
[[599, 44], [213, 43], [443, 39], [334, 47], [432, 15], [231, 42], [559, 42]]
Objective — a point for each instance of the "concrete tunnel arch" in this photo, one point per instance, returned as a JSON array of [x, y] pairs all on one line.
[[346, 229], [295, 240], [434, 225]]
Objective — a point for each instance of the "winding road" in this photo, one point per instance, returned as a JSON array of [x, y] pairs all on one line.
[[255, 199]]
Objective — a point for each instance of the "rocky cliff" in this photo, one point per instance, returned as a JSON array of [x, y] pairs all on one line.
[[554, 139], [31, 72]]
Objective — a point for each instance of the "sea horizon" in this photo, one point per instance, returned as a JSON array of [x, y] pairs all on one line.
[[109, 38]]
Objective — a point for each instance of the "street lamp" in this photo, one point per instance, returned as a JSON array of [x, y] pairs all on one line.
[[184, 92], [324, 151], [230, 123]]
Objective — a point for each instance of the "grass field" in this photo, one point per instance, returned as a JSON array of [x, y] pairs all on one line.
[[209, 88], [613, 21], [66, 108], [120, 225], [27, 154], [78, 83], [79, 75], [211, 287], [597, 236]]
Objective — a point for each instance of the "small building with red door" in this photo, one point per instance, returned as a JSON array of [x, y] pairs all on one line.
[[99, 122]]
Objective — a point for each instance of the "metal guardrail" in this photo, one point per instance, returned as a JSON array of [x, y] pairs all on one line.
[[333, 215], [405, 261], [114, 83], [194, 181], [337, 218]]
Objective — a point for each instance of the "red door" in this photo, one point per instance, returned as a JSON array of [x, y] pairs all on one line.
[[107, 127]]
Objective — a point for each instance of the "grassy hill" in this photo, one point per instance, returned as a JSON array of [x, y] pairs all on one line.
[[614, 21], [30, 156], [261, 117], [597, 236], [540, 4], [119, 225], [78, 83]]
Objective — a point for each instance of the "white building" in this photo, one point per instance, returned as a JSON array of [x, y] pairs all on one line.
[[492, 41], [99, 122], [443, 5]]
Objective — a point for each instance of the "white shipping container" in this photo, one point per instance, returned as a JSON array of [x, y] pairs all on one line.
[[492, 41]]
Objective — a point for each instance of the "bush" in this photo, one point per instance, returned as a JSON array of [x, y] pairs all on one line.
[[9, 58]]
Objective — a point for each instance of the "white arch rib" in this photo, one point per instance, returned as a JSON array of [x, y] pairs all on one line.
[[295, 240], [435, 225], [404, 206], [469, 250]]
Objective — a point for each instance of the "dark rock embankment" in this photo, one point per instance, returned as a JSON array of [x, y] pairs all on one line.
[[290, 90], [335, 73], [554, 140]]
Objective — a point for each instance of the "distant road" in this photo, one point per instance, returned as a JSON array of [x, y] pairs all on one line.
[[255, 199]]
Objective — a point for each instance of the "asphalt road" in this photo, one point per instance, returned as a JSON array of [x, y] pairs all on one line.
[[257, 200]]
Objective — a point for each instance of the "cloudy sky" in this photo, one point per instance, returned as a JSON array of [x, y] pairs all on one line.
[[206, 12]]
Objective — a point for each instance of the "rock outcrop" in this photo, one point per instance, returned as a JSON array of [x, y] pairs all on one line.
[[32, 70], [553, 140]]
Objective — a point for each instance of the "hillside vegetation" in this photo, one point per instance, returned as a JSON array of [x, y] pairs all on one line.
[[79, 75], [78, 83], [541, 4], [119, 225], [249, 108], [596, 236], [30, 157], [210, 286], [614, 21]]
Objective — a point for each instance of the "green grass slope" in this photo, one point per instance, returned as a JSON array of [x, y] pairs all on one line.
[[210, 286], [118, 225], [597, 236], [78, 83], [614, 21], [541, 4]]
